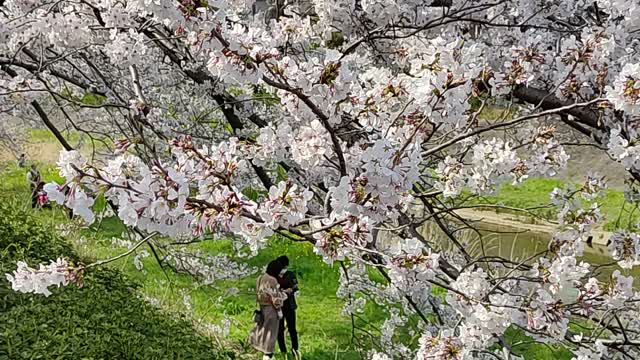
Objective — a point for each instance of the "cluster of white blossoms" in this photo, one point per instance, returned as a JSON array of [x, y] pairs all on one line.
[[452, 177], [625, 93], [444, 346], [271, 144], [389, 330], [481, 319], [76, 199], [334, 122], [620, 290], [309, 145], [492, 163], [29, 280], [412, 266], [624, 247], [548, 156], [285, 206], [625, 148], [548, 315], [562, 276], [495, 162]]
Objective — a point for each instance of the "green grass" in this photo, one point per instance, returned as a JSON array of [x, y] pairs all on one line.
[[324, 333], [533, 194], [521, 344], [44, 135], [14, 178]]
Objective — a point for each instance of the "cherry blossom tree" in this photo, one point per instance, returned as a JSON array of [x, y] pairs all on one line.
[[333, 122]]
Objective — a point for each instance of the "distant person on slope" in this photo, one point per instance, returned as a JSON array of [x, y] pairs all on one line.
[[34, 179], [270, 299], [42, 200], [288, 284], [22, 160]]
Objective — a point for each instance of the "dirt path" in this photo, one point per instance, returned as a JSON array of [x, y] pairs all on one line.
[[41, 152], [521, 223]]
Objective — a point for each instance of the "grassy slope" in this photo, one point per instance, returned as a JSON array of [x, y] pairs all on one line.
[[40, 145], [323, 332], [75, 138]]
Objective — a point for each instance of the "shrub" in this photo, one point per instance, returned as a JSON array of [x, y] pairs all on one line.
[[23, 237], [103, 320]]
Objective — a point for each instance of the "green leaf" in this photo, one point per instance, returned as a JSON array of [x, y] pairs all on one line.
[[251, 193], [281, 173]]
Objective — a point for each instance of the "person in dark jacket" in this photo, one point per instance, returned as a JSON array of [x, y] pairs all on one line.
[[22, 161], [289, 284]]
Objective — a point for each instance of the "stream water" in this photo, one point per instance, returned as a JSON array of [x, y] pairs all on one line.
[[516, 245]]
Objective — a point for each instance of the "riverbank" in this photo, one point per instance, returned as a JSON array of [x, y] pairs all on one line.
[[513, 222], [517, 238], [529, 203]]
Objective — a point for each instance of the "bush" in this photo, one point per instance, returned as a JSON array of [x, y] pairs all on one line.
[[23, 237], [103, 320]]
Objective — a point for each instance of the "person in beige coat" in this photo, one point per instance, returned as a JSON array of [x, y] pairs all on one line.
[[270, 299]]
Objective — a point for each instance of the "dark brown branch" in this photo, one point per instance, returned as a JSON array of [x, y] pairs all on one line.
[[549, 102], [50, 126], [324, 119]]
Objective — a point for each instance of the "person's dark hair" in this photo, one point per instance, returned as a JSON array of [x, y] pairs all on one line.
[[284, 260], [274, 268]]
